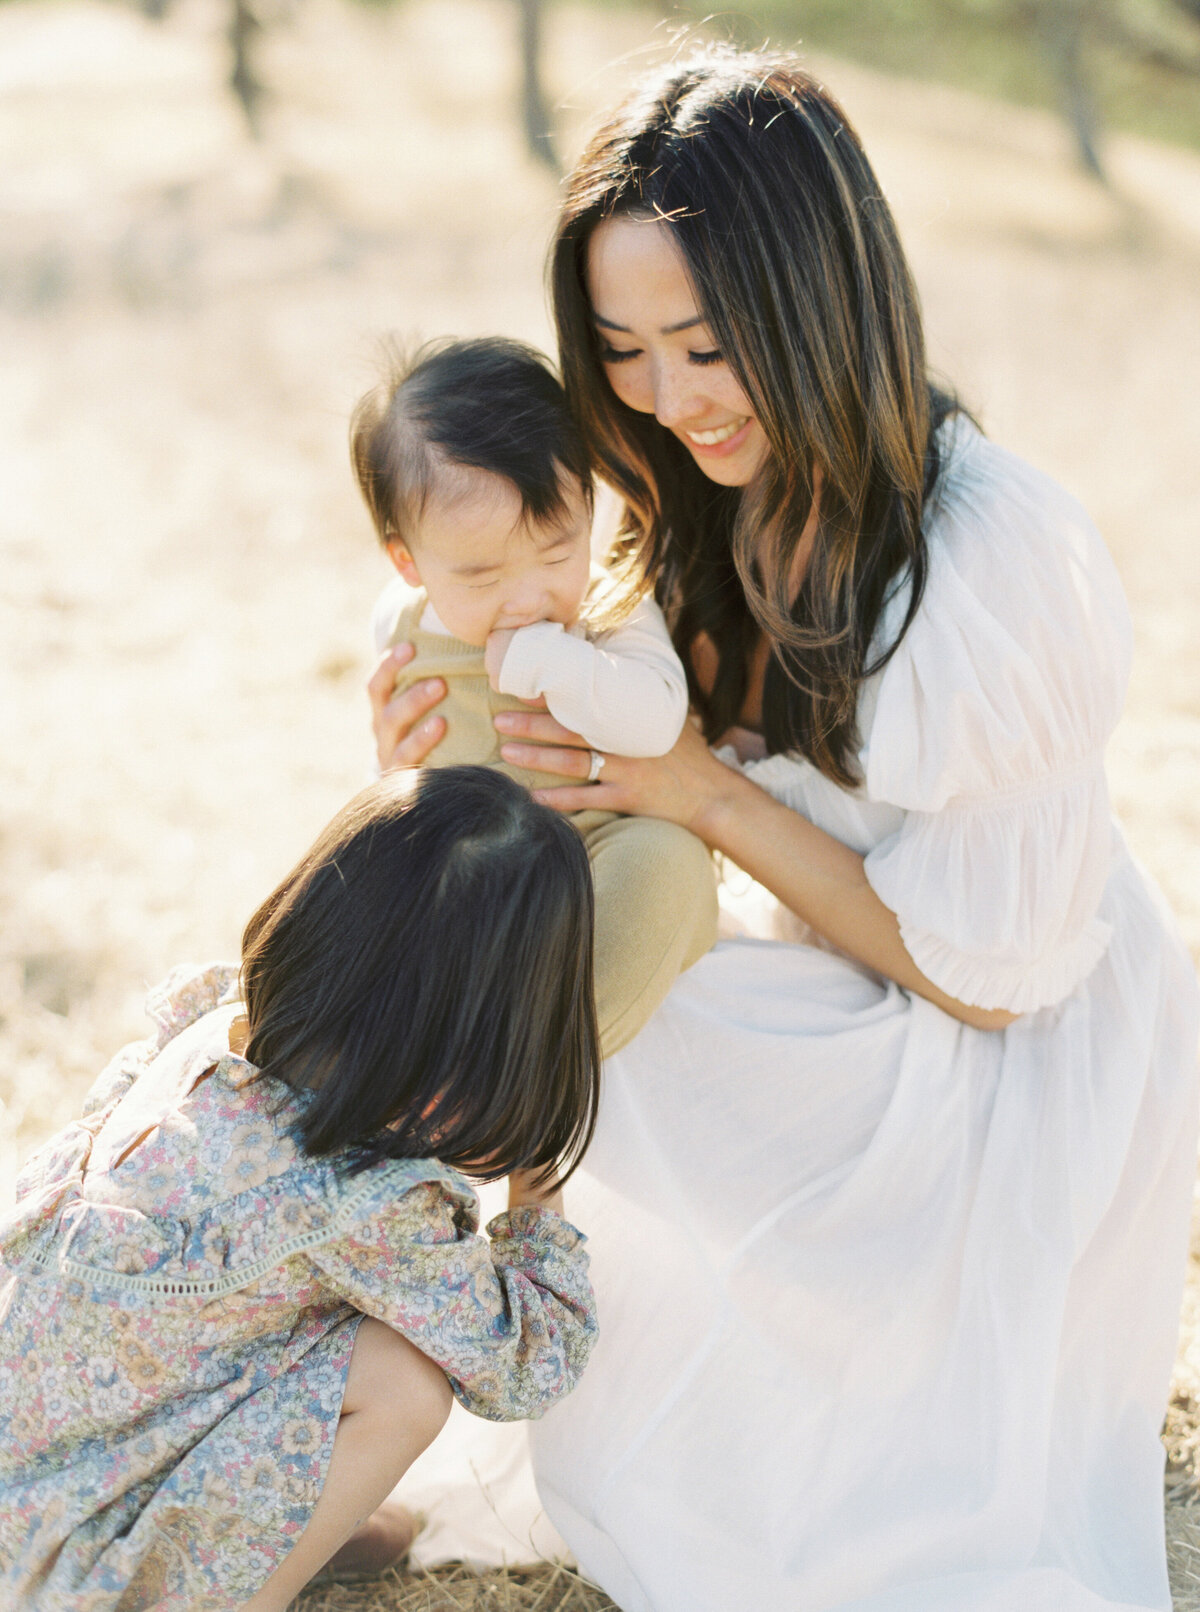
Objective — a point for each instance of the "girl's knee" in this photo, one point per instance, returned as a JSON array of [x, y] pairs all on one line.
[[391, 1377]]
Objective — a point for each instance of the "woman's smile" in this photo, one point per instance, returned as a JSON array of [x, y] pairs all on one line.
[[720, 440], [659, 354]]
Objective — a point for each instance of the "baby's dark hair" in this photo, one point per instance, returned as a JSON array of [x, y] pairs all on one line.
[[489, 404], [425, 974]]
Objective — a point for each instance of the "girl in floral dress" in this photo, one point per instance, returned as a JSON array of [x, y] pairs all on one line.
[[233, 1294]]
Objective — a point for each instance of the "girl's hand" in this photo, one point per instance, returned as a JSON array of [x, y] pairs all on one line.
[[523, 1191], [402, 739], [688, 785]]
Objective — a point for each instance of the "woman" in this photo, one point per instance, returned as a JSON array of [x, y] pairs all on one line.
[[887, 1232]]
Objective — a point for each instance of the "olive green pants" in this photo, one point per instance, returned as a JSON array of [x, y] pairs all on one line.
[[655, 885]]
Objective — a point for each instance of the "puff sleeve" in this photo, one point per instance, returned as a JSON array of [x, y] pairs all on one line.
[[509, 1318], [989, 730]]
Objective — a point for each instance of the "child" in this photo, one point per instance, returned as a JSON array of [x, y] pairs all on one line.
[[478, 485], [212, 1285]]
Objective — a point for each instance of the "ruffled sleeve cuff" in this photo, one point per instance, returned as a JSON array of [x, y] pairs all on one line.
[[532, 1223], [999, 901], [1014, 987]]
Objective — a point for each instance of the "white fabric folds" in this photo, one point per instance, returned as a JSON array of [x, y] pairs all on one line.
[[887, 1304]]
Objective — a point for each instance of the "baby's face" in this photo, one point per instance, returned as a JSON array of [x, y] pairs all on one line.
[[485, 567]]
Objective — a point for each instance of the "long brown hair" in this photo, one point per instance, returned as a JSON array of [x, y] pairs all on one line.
[[800, 276]]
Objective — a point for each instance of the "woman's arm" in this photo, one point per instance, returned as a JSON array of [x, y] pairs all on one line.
[[821, 880]]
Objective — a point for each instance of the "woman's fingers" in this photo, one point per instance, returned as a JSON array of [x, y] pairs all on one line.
[[572, 763], [383, 679], [539, 726], [588, 798], [404, 733], [416, 745], [536, 740]]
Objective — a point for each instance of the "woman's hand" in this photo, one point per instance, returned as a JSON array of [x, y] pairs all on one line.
[[688, 785], [402, 738]]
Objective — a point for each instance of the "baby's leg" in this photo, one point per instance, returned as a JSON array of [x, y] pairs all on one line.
[[656, 914], [396, 1403]]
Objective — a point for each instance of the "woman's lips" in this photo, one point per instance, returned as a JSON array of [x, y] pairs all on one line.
[[720, 440]]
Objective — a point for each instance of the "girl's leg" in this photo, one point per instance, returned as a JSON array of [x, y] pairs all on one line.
[[396, 1402]]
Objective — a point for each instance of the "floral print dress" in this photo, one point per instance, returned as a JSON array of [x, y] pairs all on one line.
[[180, 1287]]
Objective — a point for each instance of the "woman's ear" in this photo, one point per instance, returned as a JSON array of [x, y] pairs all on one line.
[[401, 557]]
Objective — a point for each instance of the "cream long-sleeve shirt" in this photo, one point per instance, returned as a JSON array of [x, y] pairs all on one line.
[[623, 691]]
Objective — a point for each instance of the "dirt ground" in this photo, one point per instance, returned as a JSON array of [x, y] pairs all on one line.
[[185, 321]]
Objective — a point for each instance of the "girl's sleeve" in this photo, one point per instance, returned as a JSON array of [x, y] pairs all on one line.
[[989, 731], [627, 692], [510, 1318], [177, 1001]]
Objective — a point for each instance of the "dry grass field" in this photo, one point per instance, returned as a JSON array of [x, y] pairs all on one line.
[[185, 320]]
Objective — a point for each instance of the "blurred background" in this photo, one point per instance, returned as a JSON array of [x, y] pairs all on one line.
[[211, 209]]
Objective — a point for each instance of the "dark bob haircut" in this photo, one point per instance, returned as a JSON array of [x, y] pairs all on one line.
[[490, 404], [425, 974]]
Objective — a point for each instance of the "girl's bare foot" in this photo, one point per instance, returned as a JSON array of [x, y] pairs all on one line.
[[377, 1544]]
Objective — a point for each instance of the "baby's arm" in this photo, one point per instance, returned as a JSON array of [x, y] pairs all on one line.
[[626, 693]]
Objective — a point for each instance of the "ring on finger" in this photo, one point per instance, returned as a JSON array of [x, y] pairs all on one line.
[[596, 767]]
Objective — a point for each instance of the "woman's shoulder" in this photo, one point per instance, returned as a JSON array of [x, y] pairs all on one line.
[[1017, 657], [1011, 534]]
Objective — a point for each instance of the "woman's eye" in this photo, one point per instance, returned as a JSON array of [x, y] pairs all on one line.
[[617, 355], [711, 357]]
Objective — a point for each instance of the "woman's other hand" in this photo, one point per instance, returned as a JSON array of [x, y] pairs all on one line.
[[688, 785], [404, 733]]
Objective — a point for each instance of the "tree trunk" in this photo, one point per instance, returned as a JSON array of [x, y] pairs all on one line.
[[535, 114], [1064, 26], [244, 29]]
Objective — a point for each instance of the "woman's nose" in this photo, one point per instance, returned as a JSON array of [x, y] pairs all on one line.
[[675, 396]]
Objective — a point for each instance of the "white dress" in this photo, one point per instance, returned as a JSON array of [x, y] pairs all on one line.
[[888, 1305]]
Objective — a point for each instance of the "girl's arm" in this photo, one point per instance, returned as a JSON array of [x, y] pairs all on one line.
[[510, 1318], [821, 880]]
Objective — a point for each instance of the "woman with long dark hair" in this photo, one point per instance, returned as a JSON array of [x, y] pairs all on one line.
[[888, 1228]]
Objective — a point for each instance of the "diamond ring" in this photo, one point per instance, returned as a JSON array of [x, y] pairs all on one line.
[[597, 766]]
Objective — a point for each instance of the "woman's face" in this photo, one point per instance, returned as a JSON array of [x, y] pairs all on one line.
[[659, 354]]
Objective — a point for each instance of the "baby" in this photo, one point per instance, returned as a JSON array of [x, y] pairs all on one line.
[[478, 484]]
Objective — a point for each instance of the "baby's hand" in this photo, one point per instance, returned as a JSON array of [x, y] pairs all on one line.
[[494, 653]]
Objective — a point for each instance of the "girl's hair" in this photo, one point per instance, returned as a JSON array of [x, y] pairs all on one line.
[[800, 276], [426, 973], [488, 404]]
